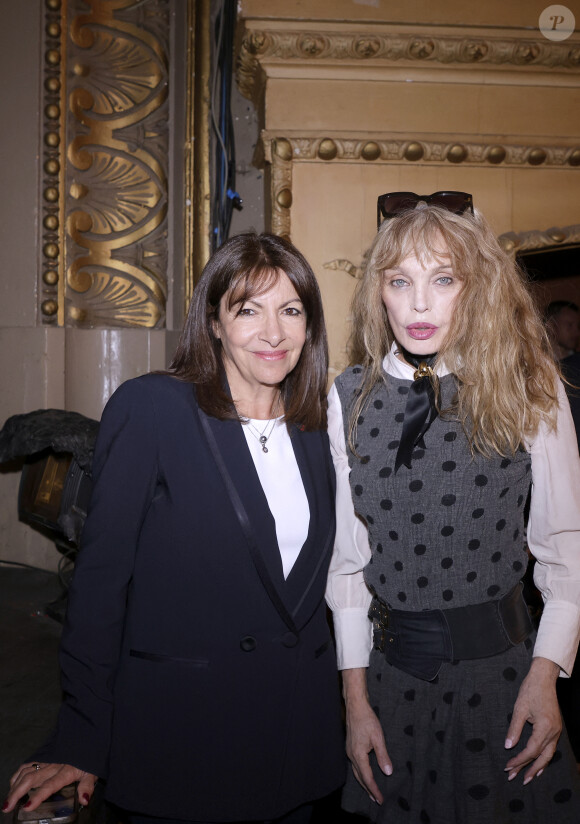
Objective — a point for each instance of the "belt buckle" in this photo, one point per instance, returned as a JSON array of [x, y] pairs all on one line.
[[379, 615]]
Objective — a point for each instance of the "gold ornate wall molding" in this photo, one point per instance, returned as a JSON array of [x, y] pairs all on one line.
[[514, 243], [366, 47], [282, 151], [51, 245], [109, 236]]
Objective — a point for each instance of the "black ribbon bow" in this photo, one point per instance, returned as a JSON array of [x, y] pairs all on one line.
[[421, 408]]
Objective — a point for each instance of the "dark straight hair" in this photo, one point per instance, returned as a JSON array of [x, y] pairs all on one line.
[[243, 267]]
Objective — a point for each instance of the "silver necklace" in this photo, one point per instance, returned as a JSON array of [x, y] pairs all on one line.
[[261, 436]]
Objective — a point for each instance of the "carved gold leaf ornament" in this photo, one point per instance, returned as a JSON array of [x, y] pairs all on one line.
[[120, 73], [117, 158], [122, 193]]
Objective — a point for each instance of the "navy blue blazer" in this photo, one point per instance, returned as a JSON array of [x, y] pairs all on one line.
[[198, 681]]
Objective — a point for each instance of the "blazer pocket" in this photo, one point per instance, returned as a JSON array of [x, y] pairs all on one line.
[[322, 649], [167, 659]]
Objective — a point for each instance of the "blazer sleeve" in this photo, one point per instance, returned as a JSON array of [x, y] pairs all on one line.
[[124, 478]]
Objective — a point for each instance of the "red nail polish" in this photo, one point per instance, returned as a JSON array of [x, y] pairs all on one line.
[[4, 806], [86, 798], [27, 805]]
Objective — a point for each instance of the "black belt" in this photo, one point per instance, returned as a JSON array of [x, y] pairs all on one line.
[[419, 642]]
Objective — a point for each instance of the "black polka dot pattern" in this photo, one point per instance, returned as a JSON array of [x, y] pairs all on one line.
[[475, 744], [478, 791], [450, 532]]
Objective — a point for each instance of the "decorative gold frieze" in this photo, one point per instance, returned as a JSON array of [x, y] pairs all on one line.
[[117, 153], [104, 232], [514, 243], [397, 149], [281, 152], [260, 46]]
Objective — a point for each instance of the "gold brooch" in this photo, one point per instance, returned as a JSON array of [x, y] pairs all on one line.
[[422, 371]]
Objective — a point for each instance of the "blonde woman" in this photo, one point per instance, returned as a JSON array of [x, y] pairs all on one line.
[[454, 411]]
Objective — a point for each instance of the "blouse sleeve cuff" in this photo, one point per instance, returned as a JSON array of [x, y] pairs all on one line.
[[558, 635], [353, 631]]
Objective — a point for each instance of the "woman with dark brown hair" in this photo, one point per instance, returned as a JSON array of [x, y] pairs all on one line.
[[198, 671]]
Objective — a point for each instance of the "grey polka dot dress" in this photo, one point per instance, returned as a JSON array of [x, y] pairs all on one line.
[[446, 533]]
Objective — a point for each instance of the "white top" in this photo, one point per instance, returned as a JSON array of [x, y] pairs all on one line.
[[282, 484], [553, 537]]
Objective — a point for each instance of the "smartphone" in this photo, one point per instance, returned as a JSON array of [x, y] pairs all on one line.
[[59, 808]]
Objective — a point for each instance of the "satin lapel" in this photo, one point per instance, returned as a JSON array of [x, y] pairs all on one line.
[[313, 461], [234, 462]]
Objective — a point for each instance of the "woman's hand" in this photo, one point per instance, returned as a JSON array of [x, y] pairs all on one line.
[[538, 704], [46, 779], [363, 733]]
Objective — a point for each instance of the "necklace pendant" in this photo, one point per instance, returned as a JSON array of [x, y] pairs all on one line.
[[263, 439], [264, 447]]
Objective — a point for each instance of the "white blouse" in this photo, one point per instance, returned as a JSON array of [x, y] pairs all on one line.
[[553, 536], [281, 481]]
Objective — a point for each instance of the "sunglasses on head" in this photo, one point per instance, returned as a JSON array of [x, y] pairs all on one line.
[[393, 203]]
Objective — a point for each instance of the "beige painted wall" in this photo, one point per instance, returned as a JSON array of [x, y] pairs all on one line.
[[434, 12]]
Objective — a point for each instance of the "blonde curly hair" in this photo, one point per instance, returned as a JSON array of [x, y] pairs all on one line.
[[497, 346]]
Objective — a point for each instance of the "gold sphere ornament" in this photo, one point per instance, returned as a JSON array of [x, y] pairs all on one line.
[[371, 151], [50, 277], [52, 85], [496, 154], [53, 30], [536, 157], [52, 111], [414, 151], [77, 314], [574, 159], [51, 194], [283, 149], [556, 235], [457, 153], [52, 139], [53, 5], [284, 198], [50, 222], [53, 57], [50, 250], [327, 149], [49, 307], [51, 166]]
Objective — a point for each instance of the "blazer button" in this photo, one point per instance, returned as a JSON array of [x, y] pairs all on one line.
[[290, 639], [248, 643]]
